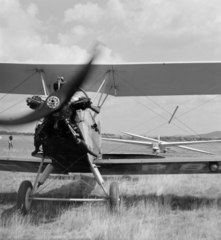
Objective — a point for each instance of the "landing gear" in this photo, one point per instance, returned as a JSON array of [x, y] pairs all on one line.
[[114, 197], [27, 192], [23, 199]]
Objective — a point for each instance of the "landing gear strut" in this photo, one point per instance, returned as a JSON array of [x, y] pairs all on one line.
[[26, 192], [114, 193]]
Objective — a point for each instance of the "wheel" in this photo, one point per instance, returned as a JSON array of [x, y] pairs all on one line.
[[114, 197], [23, 201]]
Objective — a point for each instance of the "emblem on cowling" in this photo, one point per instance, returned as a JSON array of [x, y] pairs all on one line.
[[53, 102]]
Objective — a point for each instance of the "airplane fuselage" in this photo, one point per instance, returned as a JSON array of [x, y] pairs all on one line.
[[69, 143], [157, 148]]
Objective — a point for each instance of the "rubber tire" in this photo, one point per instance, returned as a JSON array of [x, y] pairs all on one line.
[[24, 191], [114, 197]]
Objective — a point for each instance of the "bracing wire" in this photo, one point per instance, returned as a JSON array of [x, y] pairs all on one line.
[[99, 79], [157, 103], [17, 103], [65, 170], [18, 85], [169, 112]]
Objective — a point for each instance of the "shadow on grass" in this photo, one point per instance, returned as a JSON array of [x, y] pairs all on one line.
[[175, 202], [45, 211]]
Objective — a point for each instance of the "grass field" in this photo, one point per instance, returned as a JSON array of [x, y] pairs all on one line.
[[152, 207]]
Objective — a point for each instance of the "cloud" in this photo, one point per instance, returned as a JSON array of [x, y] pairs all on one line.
[[116, 10], [165, 29], [134, 30], [32, 10], [175, 22], [90, 13], [108, 56], [76, 35], [24, 37]]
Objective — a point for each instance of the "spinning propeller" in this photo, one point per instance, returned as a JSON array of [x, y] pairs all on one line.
[[56, 100]]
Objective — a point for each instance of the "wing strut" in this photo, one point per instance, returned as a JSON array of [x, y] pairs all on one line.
[[102, 84], [102, 101], [173, 114], [46, 91]]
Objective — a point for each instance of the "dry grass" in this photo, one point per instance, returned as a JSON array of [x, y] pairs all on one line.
[[152, 221], [152, 207]]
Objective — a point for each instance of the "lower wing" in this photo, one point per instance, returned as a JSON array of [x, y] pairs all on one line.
[[119, 166]]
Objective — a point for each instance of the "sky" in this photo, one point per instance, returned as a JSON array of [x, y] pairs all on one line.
[[55, 31]]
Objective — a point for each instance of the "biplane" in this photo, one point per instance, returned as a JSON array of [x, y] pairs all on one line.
[[67, 130], [159, 146]]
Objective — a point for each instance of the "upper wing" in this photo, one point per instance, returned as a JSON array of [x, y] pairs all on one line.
[[135, 79]]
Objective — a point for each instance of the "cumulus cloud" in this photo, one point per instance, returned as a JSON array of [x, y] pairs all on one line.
[[32, 9], [117, 10], [76, 35], [172, 21], [23, 37], [89, 13], [161, 28], [108, 56]]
